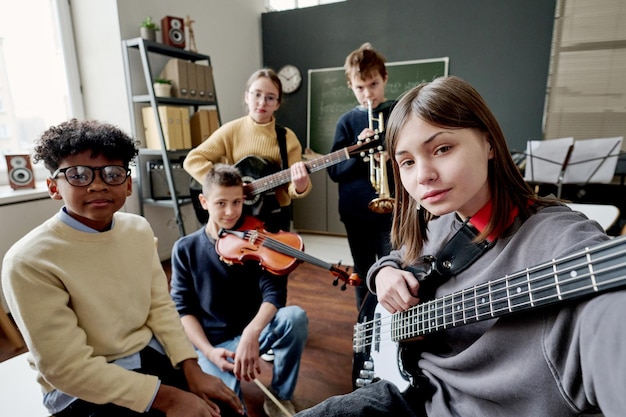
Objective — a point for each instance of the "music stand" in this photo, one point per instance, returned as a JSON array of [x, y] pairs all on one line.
[[565, 161]]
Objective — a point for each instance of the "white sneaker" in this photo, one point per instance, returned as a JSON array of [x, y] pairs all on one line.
[[268, 356], [272, 410]]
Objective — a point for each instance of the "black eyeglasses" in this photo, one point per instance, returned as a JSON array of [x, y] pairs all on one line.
[[82, 176]]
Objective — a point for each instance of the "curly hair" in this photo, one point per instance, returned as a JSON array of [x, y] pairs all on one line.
[[75, 136]]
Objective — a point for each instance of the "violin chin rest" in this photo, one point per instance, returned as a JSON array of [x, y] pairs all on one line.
[[226, 261]]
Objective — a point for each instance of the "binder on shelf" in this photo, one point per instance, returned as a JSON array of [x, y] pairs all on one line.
[[200, 127], [201, 82], [185, 127], [176, 70], [214, 120], [206, 72], [192, 80], [203, 124], [175, 130]]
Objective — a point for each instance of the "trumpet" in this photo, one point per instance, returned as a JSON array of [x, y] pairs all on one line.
[[378, 168]]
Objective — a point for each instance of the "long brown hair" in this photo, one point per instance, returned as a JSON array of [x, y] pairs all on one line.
[[453, 103]]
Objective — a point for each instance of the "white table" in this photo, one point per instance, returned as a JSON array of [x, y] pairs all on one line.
[[20, 394], [604, 214]]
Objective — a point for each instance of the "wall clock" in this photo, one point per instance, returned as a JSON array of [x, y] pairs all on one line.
[[290, 78]]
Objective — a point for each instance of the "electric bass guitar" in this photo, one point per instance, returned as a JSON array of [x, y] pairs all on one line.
[[588, 272], [260, 176]]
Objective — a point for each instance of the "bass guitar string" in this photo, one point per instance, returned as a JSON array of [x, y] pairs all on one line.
[[430, 316]]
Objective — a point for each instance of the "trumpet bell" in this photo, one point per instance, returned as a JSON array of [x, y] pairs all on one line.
[[381, 205]]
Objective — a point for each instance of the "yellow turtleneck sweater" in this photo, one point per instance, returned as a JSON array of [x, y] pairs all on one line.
[[240, 138]]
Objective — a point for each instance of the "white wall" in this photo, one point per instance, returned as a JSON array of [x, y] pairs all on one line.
[[228, 31], [18, 219]]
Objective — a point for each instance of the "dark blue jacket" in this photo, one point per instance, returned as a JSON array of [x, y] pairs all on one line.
[[353, 175], [223, 298]]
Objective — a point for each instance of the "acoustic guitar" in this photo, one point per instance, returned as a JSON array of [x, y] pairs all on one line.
[[387, 336], [261, 176]]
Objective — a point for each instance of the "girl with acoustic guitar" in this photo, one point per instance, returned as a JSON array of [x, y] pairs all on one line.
[[232, 313], [257, 135], [515, 326]]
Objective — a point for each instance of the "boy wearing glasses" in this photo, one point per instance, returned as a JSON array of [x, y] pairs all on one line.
[[88, 293]]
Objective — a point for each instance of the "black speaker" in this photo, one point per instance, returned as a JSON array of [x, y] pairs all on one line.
[[173, 31], [20, 171]]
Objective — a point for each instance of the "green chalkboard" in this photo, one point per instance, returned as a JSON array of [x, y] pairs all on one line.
[[330, 97]]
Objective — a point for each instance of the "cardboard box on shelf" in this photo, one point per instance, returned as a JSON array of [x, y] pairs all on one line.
[[203, 123], [175, 125], [176, 70]]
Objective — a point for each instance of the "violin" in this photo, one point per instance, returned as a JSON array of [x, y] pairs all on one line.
[[278, 253]]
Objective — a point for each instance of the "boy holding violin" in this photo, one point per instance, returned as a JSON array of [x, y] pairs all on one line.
[[233, 313]]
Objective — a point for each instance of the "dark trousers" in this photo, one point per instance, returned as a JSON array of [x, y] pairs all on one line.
[[368, 240], [152, 363], [378, 399]]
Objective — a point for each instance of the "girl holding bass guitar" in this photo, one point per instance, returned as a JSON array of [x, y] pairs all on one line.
[[527, 328]]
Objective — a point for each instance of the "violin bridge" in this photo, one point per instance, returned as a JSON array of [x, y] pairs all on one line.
[[253, 236]]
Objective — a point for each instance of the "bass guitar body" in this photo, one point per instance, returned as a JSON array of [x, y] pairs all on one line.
[[377, 355]]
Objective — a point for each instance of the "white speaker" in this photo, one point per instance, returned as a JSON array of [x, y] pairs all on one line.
[[20, 171]]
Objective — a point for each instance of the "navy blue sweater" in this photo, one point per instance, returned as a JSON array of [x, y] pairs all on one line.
[[353, 175], [223, 298]]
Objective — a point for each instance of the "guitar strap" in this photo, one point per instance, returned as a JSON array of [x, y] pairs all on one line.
[[281, 136], [458, 253]]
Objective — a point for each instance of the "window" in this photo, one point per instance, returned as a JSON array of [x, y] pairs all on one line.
[[587, 82], [4, 132], [278, 5], [36, 89]]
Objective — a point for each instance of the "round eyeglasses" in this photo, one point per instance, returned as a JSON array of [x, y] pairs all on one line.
[[82, 176], [260, 97]]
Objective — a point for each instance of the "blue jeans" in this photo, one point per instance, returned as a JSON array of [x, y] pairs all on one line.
[[286, 335]]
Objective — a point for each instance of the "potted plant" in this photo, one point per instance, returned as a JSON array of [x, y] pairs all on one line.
[[163, 87], [148, 29]]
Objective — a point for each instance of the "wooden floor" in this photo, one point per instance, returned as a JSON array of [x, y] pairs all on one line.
[[327, 358]]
